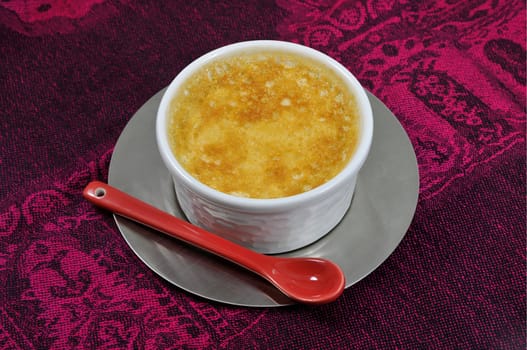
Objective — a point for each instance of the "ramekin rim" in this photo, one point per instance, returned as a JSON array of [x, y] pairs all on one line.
[[264, 204]]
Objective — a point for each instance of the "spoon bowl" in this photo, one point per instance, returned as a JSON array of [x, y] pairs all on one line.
[[312, 280], [307, 280]]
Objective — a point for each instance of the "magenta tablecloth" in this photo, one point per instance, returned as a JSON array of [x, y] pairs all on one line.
[[73, 73]]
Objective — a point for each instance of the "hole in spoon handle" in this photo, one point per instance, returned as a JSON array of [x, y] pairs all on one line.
[[116, 201], [121, 203], [100, 192]]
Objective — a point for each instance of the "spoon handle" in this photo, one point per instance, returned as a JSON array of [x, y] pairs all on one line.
[[118, 202]]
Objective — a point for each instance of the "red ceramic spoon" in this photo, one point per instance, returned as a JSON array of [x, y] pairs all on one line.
[[306, 280]]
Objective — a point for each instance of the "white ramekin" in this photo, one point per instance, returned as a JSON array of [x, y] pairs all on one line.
[[267, 225]]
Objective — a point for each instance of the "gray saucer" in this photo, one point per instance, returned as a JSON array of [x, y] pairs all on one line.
[[381, 212]]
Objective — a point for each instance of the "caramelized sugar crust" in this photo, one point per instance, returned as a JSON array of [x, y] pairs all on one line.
[[263, 125]]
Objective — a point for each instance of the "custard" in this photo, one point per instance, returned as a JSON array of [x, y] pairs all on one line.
[[263, 125]]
